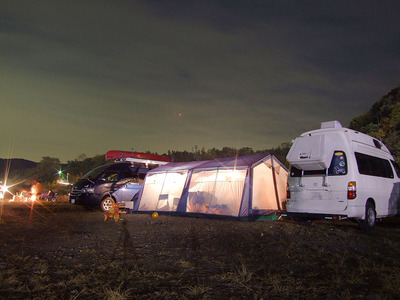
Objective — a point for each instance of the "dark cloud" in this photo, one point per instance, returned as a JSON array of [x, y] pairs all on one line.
[[91, 76]]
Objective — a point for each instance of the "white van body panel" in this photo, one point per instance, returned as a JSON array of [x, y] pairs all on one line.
[[312, 152], [318, 187]]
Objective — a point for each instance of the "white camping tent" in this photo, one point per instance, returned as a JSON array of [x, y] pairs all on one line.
[[237, 186]]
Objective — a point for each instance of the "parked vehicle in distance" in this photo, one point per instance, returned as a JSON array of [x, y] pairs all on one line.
[[97, 186], [339, 173]]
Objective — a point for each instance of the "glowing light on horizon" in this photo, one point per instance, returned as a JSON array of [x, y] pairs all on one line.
[[63, 182], [3, 190]]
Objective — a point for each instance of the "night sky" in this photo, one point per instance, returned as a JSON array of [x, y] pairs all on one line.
[[85, 77]]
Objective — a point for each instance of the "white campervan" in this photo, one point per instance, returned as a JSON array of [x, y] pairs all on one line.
[[339, 173]]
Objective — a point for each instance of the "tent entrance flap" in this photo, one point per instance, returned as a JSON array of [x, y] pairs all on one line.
[[216, 192], [264, 197], [163, 191]]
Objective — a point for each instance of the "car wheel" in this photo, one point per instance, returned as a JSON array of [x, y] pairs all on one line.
[[107, 204], [369, 221]]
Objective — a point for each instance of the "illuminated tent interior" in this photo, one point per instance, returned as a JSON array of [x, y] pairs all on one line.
[[237, 186]]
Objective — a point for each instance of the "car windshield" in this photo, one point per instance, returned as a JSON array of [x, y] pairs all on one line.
[[92, 175]]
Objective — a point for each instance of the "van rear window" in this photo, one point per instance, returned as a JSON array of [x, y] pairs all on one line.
[[373, 166], [338, 166]]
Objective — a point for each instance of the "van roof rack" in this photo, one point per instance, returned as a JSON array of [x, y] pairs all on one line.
[[138, 157]]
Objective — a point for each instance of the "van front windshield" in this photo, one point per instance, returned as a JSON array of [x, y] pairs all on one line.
[[338, 166], [92, 175]]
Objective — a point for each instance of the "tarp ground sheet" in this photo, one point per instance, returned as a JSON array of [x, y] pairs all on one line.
[[236, 186]]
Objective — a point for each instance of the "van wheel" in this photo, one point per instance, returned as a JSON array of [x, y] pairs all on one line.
[[369, 221], [107, 204]]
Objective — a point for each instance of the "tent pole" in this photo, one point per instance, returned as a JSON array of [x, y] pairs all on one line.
[[251, 173], [245, 192], [274, 178], [183, 201]]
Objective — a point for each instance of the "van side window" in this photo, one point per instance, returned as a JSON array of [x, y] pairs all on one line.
[[338, 166], [373, 166], [131, 177], [396, 167], [110, 176]]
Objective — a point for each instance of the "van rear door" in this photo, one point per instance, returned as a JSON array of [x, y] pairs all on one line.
[[321, 190], [311, 152]]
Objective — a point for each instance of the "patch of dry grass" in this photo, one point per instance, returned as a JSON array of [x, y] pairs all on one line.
[[74, 254]]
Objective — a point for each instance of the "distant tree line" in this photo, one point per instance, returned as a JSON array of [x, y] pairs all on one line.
[[198, 155], [49, 171]]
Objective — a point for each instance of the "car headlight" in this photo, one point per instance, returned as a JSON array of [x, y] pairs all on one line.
[[88, 190]]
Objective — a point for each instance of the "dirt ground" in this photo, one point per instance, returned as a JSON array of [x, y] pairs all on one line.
[[61, 251]]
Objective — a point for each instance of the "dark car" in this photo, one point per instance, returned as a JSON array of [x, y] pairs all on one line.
[[96, 187]]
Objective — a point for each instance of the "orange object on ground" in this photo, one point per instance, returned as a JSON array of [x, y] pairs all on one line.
[[114, 212]]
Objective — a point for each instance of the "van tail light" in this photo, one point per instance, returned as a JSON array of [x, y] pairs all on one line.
[[351, 190], [287, 191]]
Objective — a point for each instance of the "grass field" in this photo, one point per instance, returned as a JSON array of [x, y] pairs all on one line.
[[61, 251]]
